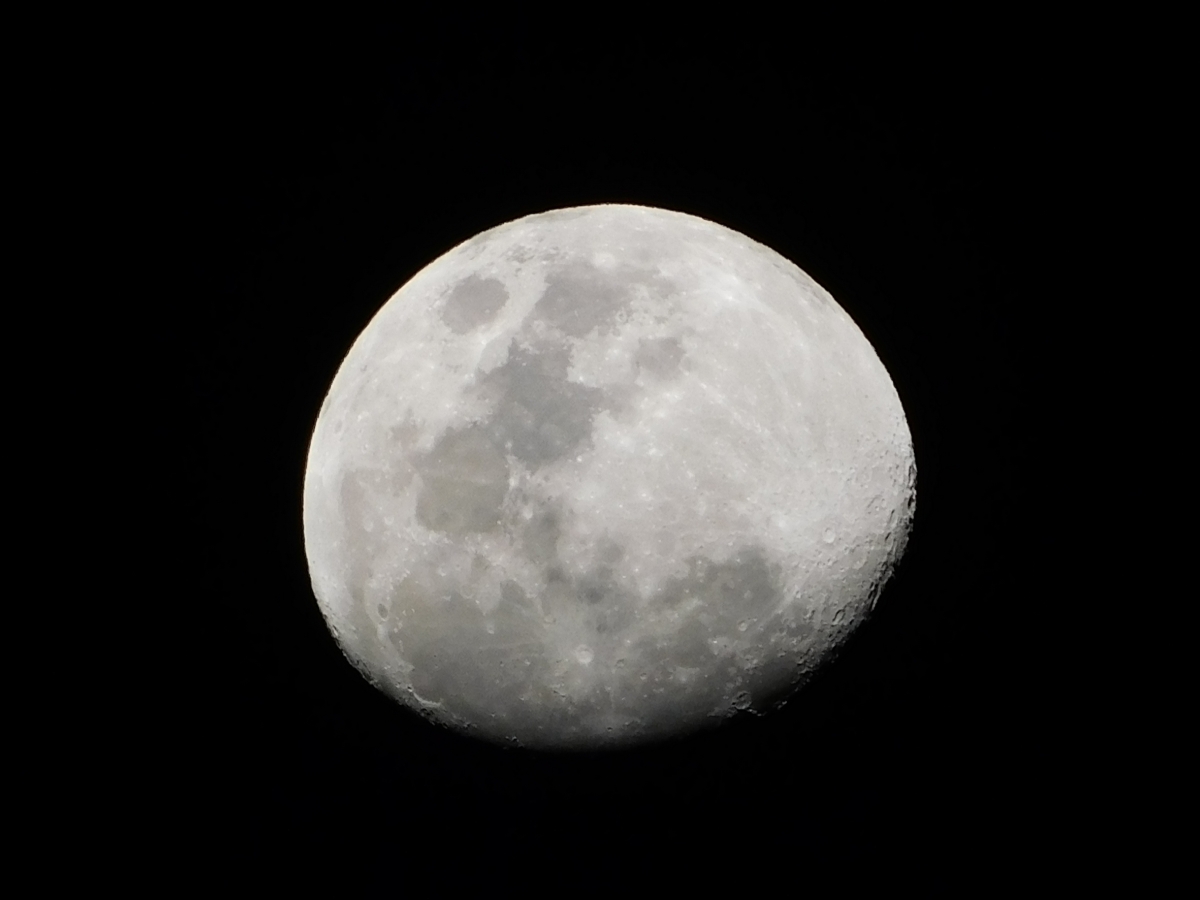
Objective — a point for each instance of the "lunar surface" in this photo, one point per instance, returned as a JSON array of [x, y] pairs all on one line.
[[602, 476]]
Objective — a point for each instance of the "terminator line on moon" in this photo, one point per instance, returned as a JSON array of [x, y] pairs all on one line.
[[601, 476]]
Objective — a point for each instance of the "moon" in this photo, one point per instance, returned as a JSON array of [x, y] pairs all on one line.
[[604, 476]]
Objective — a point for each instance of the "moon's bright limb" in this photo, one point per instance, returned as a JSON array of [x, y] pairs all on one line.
[[604, 475]]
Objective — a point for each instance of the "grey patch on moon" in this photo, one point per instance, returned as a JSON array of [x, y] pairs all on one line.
[[748, 585], [538, 415], [580, 297], [464, 482], [673, 669], [464, 683], [473, 302], [661, 357], [520, 254], [538, 536]]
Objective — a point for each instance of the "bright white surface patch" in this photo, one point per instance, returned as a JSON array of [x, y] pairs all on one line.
[[598, 475]]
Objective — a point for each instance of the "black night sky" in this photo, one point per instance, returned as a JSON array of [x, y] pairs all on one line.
[[322, 171]]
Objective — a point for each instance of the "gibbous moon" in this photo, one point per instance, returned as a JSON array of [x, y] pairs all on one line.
[[603, 476]]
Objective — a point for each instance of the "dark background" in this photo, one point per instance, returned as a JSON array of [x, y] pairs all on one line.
[[319, 171]]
